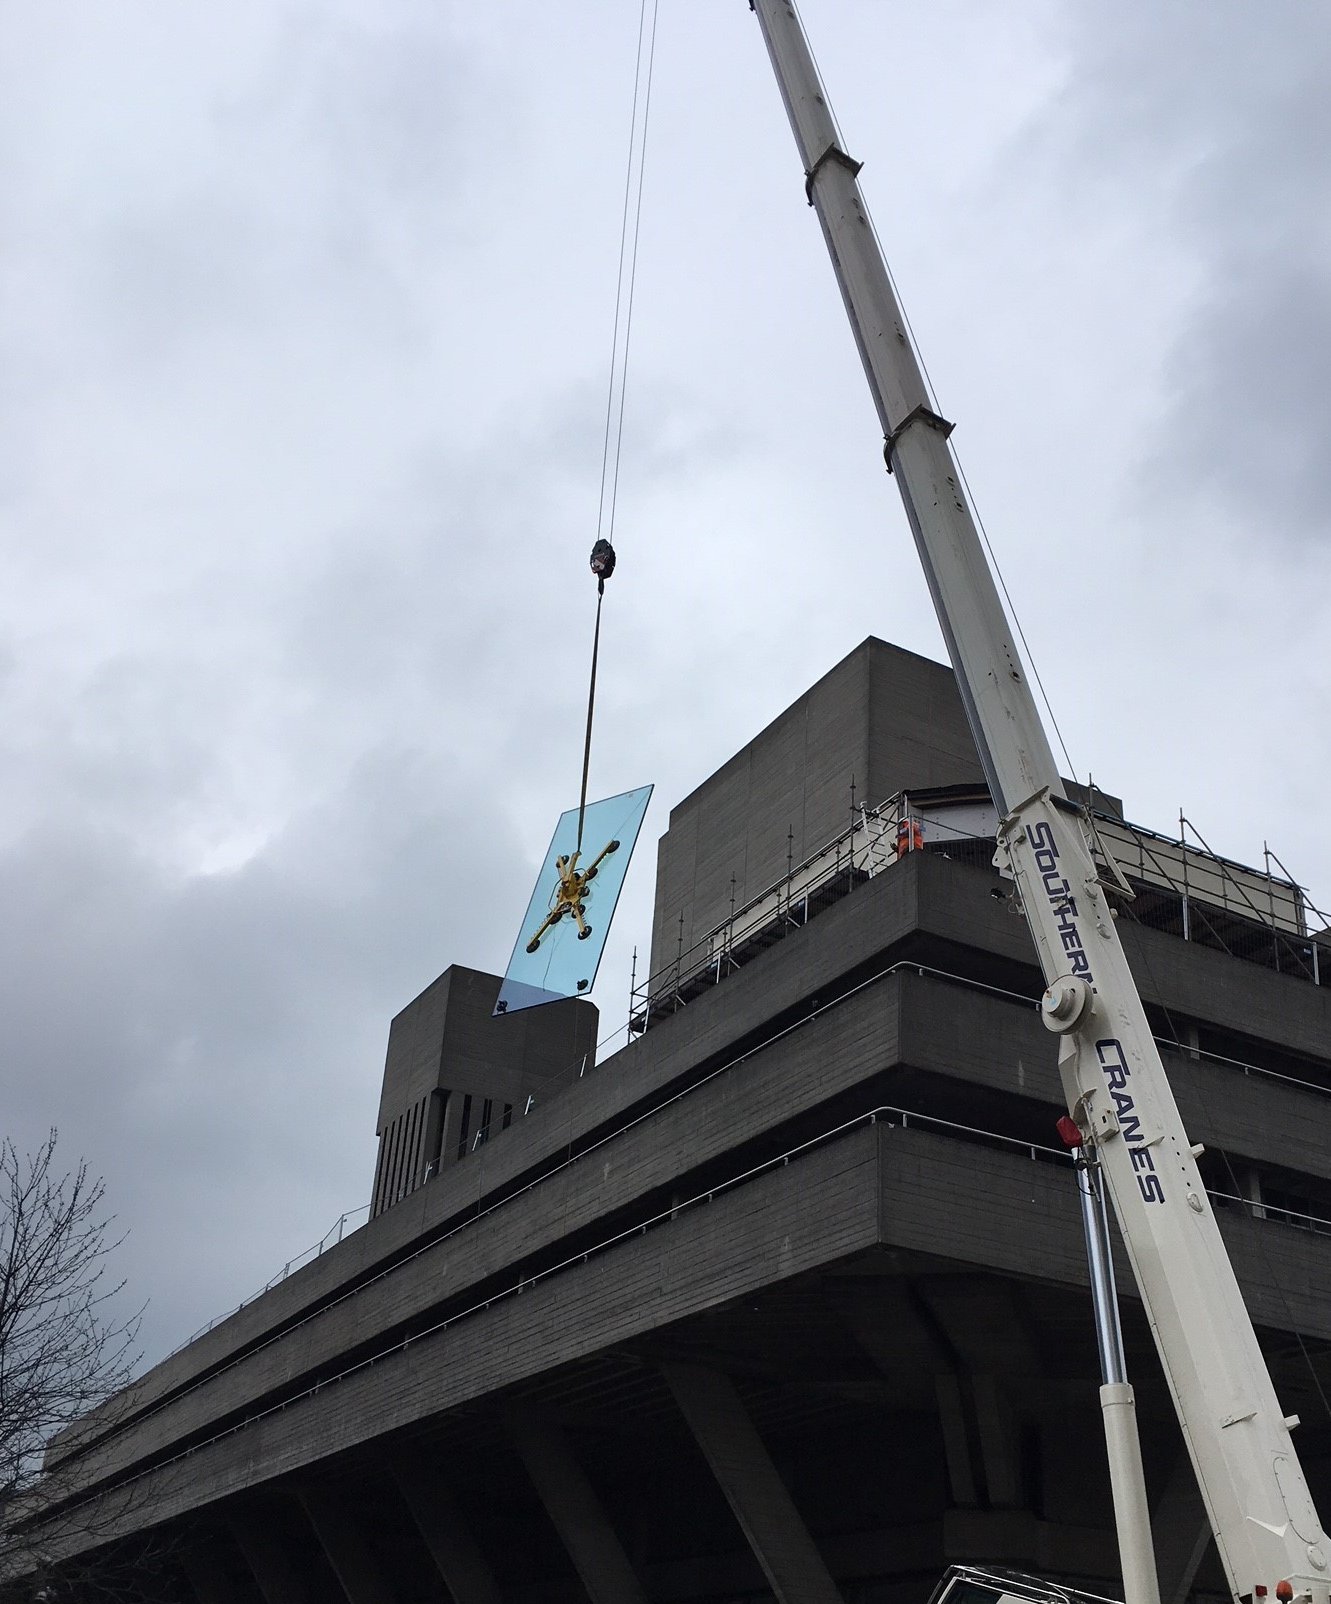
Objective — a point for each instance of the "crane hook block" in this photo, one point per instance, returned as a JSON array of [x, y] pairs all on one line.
[[603, 560]]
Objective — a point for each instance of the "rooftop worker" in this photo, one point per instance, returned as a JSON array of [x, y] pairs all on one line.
[[910, 837]]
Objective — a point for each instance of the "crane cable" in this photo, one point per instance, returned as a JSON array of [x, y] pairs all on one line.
[[603, 552]]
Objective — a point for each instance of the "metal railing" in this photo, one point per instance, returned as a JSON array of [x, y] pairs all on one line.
[[850, 859], [855, 856], [578, 1070], [331, 1237], [884, 1113], [1175, 911], [1197, 895]]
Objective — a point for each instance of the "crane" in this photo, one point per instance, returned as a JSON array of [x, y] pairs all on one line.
[[1266, 1528]]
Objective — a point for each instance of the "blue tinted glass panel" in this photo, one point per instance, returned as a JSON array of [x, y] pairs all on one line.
[[559, 946]]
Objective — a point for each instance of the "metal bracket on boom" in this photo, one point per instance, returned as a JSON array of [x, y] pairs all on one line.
[[833, 153], [920, 414], [1116, 881]]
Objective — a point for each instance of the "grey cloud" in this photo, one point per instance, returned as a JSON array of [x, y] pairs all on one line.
[[1220, 115], [341, 167], [382, 117], [187, 1030], [1253, 403]]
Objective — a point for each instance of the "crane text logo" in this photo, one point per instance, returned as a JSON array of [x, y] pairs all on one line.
[[1061, 900], [1115, 1065]]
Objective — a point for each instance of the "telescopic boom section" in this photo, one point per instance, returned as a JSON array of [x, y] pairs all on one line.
[[1265, 1526]]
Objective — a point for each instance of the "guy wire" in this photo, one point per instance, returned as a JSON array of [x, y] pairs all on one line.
[[974, 506]]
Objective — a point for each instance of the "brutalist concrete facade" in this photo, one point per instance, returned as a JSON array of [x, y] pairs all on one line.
[[454, 1075], [786, 1300], [883, 720]]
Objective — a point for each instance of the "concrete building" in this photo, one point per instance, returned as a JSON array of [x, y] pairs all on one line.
[[785, 1300], [451, 1079]]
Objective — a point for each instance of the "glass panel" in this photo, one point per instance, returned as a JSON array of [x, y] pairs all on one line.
[[559, 946]]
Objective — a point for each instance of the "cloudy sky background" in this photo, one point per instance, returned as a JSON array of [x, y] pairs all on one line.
[[305, 314]]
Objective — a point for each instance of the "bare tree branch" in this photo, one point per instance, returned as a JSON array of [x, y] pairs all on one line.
[[65, 1350]]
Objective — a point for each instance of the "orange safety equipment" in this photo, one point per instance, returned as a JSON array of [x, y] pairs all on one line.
[[910, 837]]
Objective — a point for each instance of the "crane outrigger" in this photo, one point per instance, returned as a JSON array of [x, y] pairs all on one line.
[[1127, 1123]]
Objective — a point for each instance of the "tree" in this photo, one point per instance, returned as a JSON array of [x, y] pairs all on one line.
[[66, 1348]]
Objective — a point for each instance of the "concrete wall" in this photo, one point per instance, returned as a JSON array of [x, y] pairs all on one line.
[[926, 908], [448, 1058], [883, 717], [783, 1223], [956, 1205], [903, 1039], [917, 730]]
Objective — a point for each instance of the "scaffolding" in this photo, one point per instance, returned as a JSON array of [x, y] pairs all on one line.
[[1180, 886]]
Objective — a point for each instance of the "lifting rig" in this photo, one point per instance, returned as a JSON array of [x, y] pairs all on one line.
[[1260, 1510]]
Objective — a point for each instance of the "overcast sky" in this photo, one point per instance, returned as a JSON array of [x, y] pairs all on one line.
[[305, 312]]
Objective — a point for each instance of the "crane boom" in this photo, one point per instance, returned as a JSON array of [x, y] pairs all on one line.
[[1266, 1528]]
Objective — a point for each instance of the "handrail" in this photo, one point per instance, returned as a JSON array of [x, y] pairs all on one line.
[[1261, 1210], [663, 988], [686, 964], [293, 1263], [890, 1114], [524, 1283], [1167, 1043], [899, 966]]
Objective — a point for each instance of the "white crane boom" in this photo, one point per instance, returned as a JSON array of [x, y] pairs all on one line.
[[1260, 1510]]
